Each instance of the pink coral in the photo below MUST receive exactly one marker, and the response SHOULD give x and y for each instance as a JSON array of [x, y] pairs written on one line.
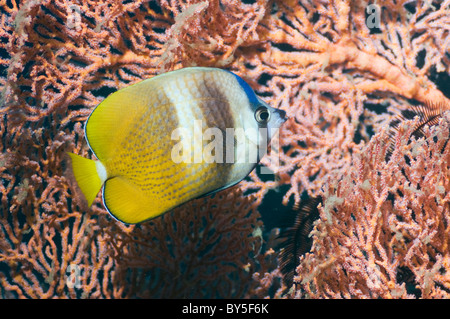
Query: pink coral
[[383, 230], [338, 79], [60, 60]]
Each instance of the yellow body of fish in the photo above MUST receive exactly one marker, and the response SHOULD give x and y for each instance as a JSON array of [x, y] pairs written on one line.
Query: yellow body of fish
[[165, 140]]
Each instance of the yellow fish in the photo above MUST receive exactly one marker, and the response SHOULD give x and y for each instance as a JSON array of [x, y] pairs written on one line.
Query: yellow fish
[[172, 138]]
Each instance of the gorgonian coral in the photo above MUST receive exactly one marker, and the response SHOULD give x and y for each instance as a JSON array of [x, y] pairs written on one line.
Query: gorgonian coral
[[339, 79], [60, 59], [383, 229]]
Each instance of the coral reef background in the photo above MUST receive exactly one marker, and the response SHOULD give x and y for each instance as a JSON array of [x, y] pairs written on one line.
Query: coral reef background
[[341, 69]]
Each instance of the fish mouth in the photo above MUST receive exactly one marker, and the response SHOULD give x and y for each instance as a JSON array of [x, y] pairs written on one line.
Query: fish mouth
[[282, 116], [279, 118]]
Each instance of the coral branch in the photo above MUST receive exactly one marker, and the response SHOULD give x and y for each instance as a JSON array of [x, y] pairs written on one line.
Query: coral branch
[[383, 226]]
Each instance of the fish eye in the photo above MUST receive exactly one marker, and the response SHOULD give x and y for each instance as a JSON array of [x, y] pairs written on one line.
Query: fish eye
[[262, 115]]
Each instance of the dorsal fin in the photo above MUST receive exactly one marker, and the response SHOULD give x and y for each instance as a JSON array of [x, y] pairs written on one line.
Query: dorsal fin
[[110, 121]]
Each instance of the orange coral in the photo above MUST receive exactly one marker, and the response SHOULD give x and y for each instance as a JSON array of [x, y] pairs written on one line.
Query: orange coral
[[53, 74], [339, 80], [324, 64]]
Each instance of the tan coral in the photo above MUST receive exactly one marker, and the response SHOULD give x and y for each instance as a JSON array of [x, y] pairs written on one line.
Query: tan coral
[[391, 217]]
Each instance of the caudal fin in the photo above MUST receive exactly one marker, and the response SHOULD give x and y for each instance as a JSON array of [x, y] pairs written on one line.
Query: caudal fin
[[89, 174]]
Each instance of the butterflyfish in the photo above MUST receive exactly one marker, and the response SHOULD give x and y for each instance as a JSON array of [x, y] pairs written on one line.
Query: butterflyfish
[[171, 138]]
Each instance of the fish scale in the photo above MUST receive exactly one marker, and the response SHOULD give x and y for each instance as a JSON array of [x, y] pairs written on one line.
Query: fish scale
[[132, 131]]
